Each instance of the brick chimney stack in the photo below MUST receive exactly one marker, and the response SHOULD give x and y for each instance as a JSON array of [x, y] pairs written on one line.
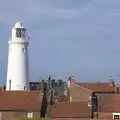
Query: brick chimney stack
[[111, 82]]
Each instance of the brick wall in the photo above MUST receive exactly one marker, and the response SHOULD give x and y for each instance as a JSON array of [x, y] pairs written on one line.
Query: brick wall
[[17, 115], [103, 116], [79, 93]]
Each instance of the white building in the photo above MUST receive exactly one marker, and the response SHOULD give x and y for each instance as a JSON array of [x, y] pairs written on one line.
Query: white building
[[17, 71]]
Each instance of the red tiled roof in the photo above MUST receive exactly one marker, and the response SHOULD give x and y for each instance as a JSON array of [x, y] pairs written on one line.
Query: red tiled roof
[[20, 100], [109, 103], [70, 110], [98, 87]]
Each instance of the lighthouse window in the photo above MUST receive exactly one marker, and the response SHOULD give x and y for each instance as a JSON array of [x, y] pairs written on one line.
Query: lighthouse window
[[20, 32], [23, 50]]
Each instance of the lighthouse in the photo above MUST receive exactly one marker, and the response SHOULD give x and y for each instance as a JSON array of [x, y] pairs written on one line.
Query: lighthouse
[[17, 69]]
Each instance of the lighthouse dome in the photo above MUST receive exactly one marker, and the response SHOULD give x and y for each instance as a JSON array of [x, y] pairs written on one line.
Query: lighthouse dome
[[19, 24]]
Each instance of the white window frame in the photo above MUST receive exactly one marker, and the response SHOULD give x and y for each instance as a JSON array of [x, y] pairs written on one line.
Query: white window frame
[[0, 115], [116, 114], [30, 115]]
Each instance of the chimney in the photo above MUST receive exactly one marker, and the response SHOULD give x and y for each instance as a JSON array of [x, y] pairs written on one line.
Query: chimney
[[70, 80], [70, 99], [26, 88], [3, 88], [117, 89], [49, 82], [111, 82]]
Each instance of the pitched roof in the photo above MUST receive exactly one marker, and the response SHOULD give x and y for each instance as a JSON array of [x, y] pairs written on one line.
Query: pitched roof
[[109, 103], [20, 100], [98, 87], [79, 93], [70, 110]]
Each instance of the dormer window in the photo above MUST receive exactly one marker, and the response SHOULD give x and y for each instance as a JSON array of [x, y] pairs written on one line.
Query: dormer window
[[20, 32]]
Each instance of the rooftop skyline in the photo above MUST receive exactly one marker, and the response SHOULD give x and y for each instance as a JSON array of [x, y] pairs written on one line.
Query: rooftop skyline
[[78, 37]]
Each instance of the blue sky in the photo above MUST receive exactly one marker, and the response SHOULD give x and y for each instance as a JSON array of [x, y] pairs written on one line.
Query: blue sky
[[68, 37]]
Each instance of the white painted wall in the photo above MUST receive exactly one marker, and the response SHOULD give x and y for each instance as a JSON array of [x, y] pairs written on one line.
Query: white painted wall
[[17, 71]]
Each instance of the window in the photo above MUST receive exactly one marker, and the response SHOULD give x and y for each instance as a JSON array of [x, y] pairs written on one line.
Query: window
[[89, 101], [116, 117], [20, 32], [23, 49], [0, 116], [30, 115]]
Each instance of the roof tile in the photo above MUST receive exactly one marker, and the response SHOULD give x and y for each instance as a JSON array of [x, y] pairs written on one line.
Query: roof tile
[[70, 110], [20, 100]]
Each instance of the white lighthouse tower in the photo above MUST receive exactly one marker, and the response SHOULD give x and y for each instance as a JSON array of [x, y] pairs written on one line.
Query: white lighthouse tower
[[17, 71]]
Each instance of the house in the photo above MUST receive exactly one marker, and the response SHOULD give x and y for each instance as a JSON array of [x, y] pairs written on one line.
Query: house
[[20, 104], [90, 92], [100, 88], [70, 111], [108, 107], [78, 93], [58, 87], [83, 91]]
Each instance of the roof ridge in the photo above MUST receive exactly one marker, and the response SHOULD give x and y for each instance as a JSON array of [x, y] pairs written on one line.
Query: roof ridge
[[82, 87]]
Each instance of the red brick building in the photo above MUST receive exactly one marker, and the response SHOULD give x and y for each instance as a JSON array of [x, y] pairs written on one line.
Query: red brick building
[[83, 101], [82, 91], [63, 111], [108, 104], [20, 104]]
